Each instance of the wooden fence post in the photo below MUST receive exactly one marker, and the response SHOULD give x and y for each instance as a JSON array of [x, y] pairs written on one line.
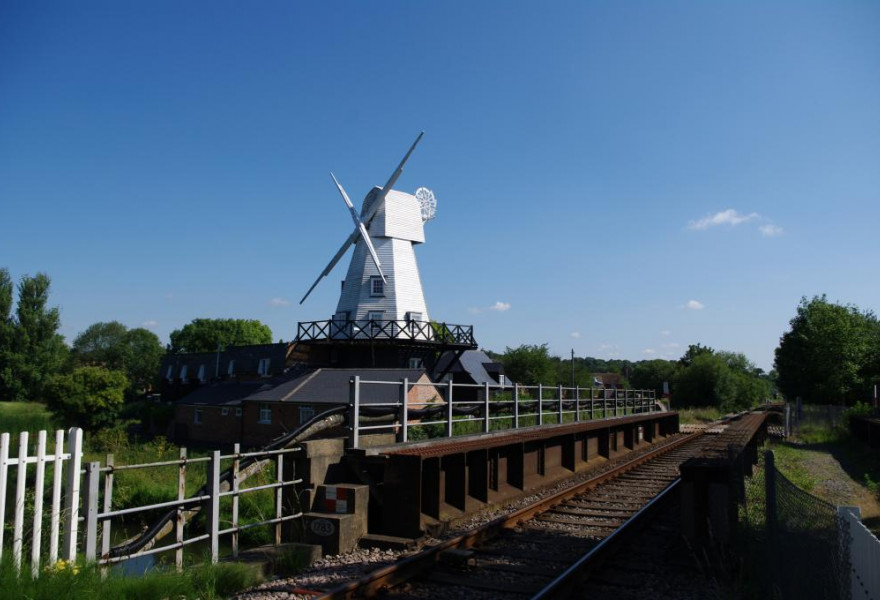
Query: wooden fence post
[[214, 505], [279, 505], [108, 506], [21, 478], [178, 521], [93, 477], [57, 477], [236, 466], [71, 493], [4, 459], [39, 482]]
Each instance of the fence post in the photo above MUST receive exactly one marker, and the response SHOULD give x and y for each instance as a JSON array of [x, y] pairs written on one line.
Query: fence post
[[55, 522], [403, 416], [592, 404], [770, 493], [516, 405], [355, 410], [71, 493], [279, 504], [108, 504], [214, 505], [577, 403], [236, 465], [540, 404], [93, 478], [559, 395], [486, 421], [39, 484], [21, 478], [4, 459], [449, 408], [178, 521]]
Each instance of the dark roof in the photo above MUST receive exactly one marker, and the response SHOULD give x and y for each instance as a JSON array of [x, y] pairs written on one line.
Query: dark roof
[[475, 363], [332, 386], [247, 359], [228, 393]]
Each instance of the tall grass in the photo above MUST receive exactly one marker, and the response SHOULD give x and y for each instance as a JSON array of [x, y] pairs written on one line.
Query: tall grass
[[75, 582]]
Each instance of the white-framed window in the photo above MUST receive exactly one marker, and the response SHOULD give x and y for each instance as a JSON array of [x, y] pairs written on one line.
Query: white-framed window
[[306, 413], [376, 316], [263, 367], [414, 316], [502, 380], [230, 370], [265, 413], [415, 363], [224, 411], [169, 375], [377, 286], [202, 373], [197, 416], [183, 371], [237, 412]]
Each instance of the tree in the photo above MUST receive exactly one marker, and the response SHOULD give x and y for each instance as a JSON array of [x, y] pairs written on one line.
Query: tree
[[828, 352], [136, 352], [650, 374], [693, 351], [529, 364], [31, 350], [89, 397], [205, 335]]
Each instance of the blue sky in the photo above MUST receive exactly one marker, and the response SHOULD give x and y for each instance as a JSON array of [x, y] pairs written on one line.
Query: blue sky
[[623, 179]]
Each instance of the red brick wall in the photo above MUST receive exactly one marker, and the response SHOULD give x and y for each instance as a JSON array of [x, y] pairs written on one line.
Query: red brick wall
[[215, 427]]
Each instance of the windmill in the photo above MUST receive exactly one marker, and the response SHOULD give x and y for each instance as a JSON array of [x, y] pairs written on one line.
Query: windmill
[[383, 282]]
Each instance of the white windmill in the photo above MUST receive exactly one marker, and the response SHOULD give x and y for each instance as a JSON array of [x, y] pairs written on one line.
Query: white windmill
[[383, 282]]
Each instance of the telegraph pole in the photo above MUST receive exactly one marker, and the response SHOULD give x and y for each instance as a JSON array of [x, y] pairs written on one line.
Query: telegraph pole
[[572, 367]]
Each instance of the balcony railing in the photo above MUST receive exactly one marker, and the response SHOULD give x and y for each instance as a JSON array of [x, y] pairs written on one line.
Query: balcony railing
[[371, 329]]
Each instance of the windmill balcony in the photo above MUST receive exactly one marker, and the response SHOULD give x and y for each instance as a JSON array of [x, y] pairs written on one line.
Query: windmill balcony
[[369, 330]]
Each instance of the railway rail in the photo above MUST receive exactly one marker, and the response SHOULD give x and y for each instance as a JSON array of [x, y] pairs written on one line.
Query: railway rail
[[542, 549]]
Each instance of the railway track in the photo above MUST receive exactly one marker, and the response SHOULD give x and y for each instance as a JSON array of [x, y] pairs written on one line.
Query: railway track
[[540, 550]]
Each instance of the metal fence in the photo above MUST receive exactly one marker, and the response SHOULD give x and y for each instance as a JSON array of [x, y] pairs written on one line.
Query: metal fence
[[793, 543], [87, 512], [446, 407]]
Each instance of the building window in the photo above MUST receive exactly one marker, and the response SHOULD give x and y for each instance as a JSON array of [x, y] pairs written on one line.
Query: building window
[[231, 369], [202, 373], [224, 411], [414, 316], [377, 286], [197, 416], [263, 367], [415, 363], [306, 414], [375, 317], [502, 381], [170, 374], [265, 414], [183, 371], [237, 412]]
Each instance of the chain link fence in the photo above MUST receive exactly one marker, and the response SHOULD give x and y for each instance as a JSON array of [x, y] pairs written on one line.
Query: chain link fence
[[793, 543]]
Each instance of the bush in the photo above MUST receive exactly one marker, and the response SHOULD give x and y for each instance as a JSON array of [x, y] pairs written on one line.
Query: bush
[[89, 397]]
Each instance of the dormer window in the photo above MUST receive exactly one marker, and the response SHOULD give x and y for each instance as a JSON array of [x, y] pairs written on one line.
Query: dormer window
[[263, 367], [202, 373], [170, 374], [377, 286], [231, 370], [183, 371]]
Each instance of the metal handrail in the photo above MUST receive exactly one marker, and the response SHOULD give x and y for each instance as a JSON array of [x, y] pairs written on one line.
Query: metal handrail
[[381, 329]]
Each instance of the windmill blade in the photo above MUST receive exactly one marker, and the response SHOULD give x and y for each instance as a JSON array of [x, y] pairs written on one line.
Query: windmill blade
[[360, 227], [391, 181], [351, 239]]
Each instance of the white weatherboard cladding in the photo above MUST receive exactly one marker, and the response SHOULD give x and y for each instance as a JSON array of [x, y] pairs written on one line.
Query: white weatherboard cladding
[[403, 292], [400, 217]]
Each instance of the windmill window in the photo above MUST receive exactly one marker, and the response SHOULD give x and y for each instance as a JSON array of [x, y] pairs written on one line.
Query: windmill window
[[265, 414], [183, 371], [377, 286], [414, 316], [231, 370]]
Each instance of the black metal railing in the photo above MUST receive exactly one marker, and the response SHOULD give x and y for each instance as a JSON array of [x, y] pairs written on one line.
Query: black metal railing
[[372, 329]]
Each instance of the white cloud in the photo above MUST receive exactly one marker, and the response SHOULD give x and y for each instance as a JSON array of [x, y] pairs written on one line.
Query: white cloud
[[694, 305], [665, 332], [770, 230], [149, 324], [725, 217], [649, 351], [576, 334], [500, 306], [279, 302]]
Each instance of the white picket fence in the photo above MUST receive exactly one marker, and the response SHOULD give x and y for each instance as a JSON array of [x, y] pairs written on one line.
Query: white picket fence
[[864, 556], [69, 511], [68, 508]]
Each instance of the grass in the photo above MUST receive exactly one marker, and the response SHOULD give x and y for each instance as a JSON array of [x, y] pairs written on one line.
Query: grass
[[84, 582], [698, 415]]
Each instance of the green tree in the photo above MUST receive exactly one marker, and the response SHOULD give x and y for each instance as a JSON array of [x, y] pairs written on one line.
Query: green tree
[[204, 335], [828, 352], [650, 374], [89, 397], [32, 350], [137, 352], [693, 351], [529, 364]]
